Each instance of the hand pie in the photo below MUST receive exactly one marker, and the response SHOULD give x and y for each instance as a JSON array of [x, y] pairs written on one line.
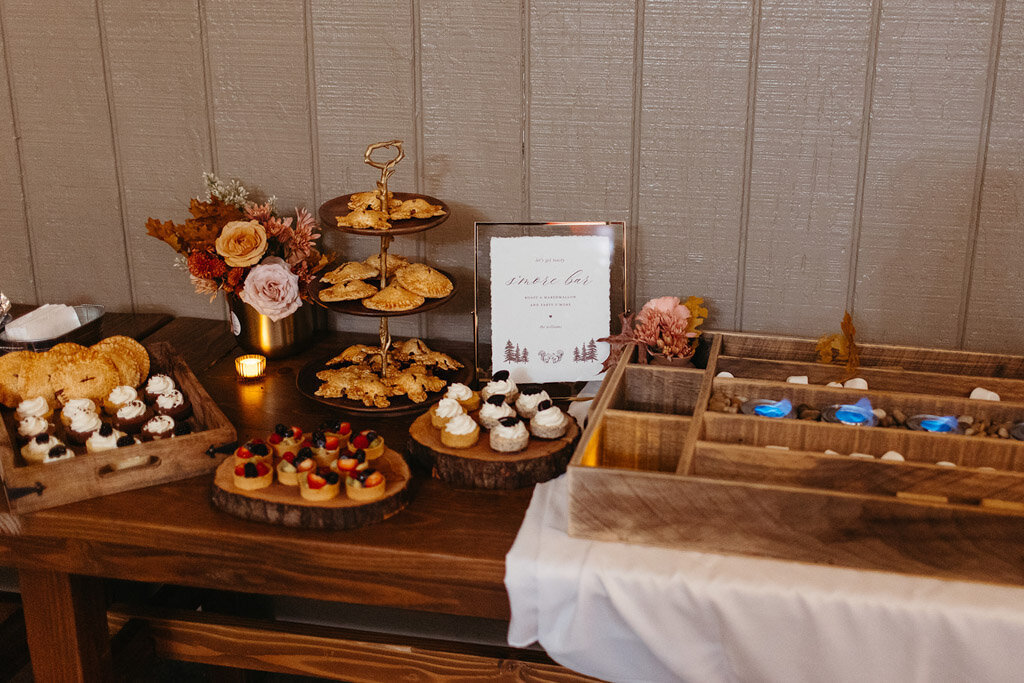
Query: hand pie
[[421, 279], [371, 200], [353, 270], [394, 262], [348, 291], [356, 353], [416, 208], [394, 297], [364, 218]]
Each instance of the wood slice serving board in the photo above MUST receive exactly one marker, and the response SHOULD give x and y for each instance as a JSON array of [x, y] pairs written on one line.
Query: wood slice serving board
[[482, 468], [280, 504]]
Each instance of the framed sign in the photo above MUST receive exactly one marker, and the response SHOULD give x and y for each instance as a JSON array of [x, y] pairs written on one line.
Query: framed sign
[[544, 294]]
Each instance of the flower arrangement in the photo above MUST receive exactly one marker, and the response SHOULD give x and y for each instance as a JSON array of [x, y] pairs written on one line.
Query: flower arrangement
[[664, 328], [245, 248]]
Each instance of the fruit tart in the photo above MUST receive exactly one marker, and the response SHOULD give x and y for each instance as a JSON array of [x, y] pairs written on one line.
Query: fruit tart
[[285, 439], [254, 450], [320, 487], [348, 464], [325, 448], [369, 441], [253, 475], [365, 485], [294, 465], [335, 427]]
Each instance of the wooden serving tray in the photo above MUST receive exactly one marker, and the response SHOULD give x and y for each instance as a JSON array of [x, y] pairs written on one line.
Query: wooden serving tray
[[745, 484], [482, 468], [281, 504], [89, 475]]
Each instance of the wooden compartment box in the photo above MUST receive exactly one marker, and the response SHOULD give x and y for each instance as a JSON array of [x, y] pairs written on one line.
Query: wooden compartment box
[[656, 465], [31, 487]]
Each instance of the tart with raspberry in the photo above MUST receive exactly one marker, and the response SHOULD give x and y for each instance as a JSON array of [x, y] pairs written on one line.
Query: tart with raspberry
[[255, 450], [325, 448], [365, 485], [320, 487], [294, 465], [285, 439], [335, 427], [369, 441], [253, 475]]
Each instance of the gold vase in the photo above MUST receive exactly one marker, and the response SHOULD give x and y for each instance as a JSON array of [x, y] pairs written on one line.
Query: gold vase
[[257, 333]]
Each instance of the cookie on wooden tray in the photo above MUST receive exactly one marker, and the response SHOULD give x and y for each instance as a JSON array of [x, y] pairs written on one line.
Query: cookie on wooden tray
[[119, 343], [416, 208], [394, 297], [419, 278], [352, 270], [89, 375], [348, 291], [364, 218]]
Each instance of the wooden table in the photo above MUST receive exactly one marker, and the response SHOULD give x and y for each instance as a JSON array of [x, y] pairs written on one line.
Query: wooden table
[[443, 554]]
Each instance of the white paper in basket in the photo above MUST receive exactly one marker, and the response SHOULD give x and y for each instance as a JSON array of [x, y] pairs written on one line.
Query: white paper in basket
[[46, 322], [626, 612]]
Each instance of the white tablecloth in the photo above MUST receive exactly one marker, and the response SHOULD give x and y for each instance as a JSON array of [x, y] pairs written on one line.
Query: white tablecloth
[[627, 612]]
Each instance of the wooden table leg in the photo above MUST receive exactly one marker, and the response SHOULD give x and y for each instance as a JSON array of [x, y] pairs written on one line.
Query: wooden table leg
[[66, 623]]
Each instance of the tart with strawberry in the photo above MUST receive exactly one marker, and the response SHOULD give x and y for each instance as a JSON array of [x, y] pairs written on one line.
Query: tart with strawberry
[[284, 439], [255, 450], [335, 427], [325, 448], [294, 465], [253, 475], [365, 485], [369, 441], [350, 463], [320, 487]]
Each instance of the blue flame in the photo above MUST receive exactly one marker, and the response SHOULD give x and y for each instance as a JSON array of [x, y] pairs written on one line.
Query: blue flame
[[856, 414], [947, 423], [779, 409]]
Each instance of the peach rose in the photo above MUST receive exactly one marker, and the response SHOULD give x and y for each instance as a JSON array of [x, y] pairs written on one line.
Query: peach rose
[[242, 243]]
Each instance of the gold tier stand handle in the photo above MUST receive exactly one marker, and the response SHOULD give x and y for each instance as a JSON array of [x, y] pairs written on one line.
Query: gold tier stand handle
[[387, 169]]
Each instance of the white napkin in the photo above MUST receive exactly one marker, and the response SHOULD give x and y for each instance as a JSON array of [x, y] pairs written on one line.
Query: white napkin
[[46, 322]]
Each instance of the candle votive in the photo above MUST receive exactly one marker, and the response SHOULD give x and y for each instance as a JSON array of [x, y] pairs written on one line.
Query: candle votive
[[250, 366]]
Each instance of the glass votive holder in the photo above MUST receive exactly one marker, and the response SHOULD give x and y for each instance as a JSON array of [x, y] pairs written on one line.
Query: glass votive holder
[[250, 366]]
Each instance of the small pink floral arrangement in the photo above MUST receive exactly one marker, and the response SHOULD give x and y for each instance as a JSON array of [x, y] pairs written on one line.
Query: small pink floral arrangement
[[245, 248], [663, 327]]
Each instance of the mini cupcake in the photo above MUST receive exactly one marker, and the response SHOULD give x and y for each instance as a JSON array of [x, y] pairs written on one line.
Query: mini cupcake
[[253, 475], [352, 462], [325, 448], [549, 422], [75, 406], [446, 409], [117, 397], [365, 485], [103, 439], [254, 450], [158, 427], [493, 409], [460, 432], [335, 427], [369, 441], [467, 398], [509, 435], [293, 465], [173, 404], [529, 397], [501, 383], [58, 453], [33, 407], [127, 440], [35, 451], [82, 426], [156, 385], [320, 487], [285, 439], [131, 416], [32, 426]]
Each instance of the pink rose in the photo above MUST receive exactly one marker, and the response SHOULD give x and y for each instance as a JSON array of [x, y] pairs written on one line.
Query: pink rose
[[669, 306], [272, 289]]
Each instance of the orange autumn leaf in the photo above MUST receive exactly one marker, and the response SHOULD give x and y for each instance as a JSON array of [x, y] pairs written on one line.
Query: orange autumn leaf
[[166, 231], [840, 347], [698, 313], [208, 218]]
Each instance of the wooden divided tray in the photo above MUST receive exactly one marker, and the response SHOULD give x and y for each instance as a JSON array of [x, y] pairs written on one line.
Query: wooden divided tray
[[281, 504], [660, 463], [89, 475]]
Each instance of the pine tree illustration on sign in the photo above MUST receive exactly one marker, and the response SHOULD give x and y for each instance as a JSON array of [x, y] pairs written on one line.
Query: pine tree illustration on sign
[[514, 354]]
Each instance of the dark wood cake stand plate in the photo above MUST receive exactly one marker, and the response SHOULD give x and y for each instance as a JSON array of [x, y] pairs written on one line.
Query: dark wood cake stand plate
[[482, 468], [333, 208], [280, 504], [356, 307]]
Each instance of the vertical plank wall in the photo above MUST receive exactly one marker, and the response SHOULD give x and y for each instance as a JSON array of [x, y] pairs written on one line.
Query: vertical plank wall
[[786, 160]]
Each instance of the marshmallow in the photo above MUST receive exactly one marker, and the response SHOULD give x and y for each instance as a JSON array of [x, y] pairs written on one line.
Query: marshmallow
[[983, 394], [726, 374], [862, 456], [829, 451], [945, 463], [797, 379], [855, 383], [779, 448], [893, 456]]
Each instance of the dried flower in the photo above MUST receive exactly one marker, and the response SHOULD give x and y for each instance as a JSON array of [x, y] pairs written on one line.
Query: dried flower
[[206, 265], [259, 212], [230, 193], [664, 327], [303, 237], [204, 286], [272, 289], [242, 243]]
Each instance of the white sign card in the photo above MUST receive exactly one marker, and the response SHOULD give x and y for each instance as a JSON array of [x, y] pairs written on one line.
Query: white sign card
[[550, 303]]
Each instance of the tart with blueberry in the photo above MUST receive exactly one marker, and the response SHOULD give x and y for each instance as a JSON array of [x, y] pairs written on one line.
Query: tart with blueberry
[[369, 441], [346, 465], [253, 475], [335, 427], [255, 450], [285, 439], [320, 487], [294, 465], [365, 485], [325, 448]]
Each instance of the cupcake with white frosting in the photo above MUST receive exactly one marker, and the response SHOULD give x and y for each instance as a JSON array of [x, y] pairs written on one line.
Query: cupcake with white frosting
[[174, 404], [76, 406], [529, 398], [37, 450], [83, 425], [103, 439], [446, 409], [549, 422], [493, 409], [158, 427], [501, 383], [509, 435], [117, 397], [32, 426], [460, 432], [131, 416], [156, 385], [467, 398], [33, 407]]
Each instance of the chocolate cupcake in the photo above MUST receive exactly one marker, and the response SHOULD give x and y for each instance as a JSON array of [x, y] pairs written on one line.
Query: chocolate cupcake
[[82, 426], [173, 403], [156, 385], [158, 427], [131, 416], [117, 397]]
